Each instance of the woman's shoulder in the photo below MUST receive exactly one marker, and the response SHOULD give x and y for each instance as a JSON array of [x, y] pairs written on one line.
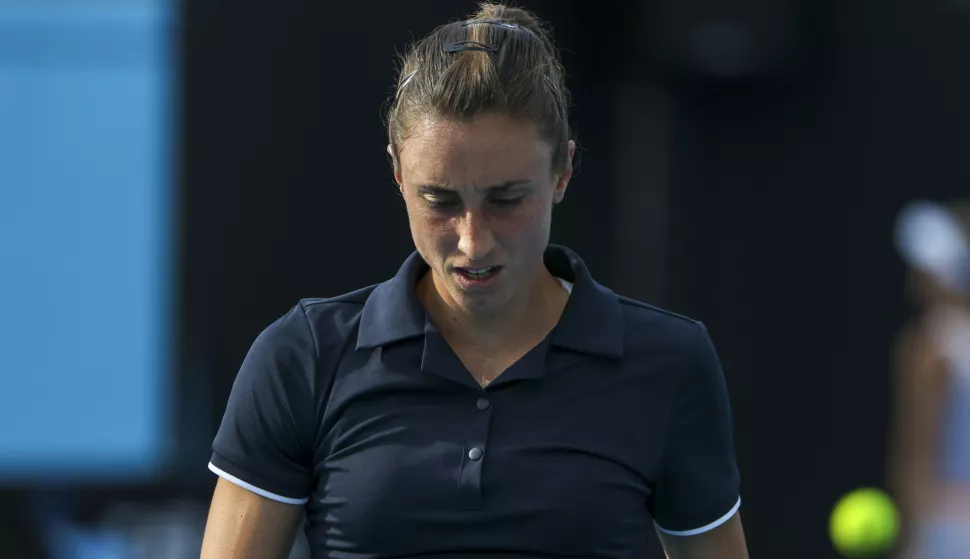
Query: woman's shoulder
[[316, 322], [657, 339], [346, 305], [643, 322]]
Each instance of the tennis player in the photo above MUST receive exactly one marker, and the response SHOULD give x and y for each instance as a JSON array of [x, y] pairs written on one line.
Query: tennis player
[[930, 450], [491, 399]]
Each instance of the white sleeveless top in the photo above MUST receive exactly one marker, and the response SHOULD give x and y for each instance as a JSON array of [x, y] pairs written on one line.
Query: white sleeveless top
[[951, 332]]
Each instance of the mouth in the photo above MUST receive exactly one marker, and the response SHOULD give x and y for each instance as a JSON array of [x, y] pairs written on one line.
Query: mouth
[[477, 277]]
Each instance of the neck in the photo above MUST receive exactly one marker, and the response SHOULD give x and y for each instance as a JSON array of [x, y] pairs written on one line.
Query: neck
[[532, 311]]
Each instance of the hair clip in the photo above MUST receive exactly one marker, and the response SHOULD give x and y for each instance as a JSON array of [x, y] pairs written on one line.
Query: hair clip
[[404, 82], [549, 83], [504, 24], [460, 46], [408, 77]]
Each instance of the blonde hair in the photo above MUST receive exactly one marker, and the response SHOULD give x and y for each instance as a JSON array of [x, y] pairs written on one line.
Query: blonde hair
[[500, 60]]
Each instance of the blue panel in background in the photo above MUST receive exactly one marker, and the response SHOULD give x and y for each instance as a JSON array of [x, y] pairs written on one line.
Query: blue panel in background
[[86, 230]]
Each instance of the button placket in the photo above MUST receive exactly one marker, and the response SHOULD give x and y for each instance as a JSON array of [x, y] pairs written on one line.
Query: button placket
[[476, 451]]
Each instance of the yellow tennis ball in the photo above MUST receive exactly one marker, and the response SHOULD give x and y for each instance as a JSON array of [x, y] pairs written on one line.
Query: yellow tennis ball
[[864, 523]]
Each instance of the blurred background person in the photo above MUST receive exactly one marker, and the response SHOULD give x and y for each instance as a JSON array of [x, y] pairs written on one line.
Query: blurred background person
[[930, 460]]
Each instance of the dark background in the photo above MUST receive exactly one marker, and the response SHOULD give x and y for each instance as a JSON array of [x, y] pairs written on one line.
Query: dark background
[[773, 188], [742, 163]]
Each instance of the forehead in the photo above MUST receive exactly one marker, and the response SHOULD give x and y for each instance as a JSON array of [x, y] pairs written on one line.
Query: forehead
[[490, 149]]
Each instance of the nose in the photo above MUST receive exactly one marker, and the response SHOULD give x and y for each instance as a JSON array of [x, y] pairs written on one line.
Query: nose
[[475, 238]]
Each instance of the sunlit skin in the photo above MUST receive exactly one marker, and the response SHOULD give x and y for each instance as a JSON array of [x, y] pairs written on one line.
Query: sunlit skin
[[479, 194]]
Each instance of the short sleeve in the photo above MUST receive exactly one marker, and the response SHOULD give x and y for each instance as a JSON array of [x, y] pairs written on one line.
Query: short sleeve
[[265, 441], [698, 486]]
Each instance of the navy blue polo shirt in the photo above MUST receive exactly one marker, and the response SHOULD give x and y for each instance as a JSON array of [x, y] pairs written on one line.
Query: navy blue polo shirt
[[356, 408]]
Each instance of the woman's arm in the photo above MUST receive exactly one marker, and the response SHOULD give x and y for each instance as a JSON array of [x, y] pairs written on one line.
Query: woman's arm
[[919, 388], [244, 525], [724, 542]]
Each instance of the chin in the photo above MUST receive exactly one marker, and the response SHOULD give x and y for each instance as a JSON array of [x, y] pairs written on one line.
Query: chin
[[482, 302]]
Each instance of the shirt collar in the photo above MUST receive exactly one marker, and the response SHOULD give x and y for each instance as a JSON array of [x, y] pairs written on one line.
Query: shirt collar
[[392, 312], [592, 321]]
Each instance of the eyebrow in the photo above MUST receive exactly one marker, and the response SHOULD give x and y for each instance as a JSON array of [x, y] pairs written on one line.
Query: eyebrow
[[498, 188]]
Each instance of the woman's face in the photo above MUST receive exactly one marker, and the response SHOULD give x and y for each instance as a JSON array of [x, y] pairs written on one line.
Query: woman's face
[[479, 197]]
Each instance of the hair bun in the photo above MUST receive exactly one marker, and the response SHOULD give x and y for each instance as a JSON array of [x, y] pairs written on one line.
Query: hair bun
[[508, 14]]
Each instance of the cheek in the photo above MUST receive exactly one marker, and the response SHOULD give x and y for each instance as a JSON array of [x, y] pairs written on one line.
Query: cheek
[[429, 228], [540, 212], [528, 225]]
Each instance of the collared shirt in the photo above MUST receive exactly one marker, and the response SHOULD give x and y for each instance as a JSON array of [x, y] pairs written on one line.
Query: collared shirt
[[356, 408]]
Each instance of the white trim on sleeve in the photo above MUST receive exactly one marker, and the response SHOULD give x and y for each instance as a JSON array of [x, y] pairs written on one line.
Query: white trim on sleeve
[[706, 528], [261, 492]]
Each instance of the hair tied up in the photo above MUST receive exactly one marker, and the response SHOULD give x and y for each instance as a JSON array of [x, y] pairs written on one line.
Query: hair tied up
[[520, 76]]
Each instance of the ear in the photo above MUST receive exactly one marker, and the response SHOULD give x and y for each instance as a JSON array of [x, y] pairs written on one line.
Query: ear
[[562, 181], [396, 167]]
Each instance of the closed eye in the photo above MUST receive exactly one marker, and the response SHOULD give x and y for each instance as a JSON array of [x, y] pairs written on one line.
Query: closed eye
[[508, 202], [448, 204], [441, 205]]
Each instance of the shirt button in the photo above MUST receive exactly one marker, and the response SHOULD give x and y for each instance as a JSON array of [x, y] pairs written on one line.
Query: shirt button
[[475, 453], [482, 404]]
